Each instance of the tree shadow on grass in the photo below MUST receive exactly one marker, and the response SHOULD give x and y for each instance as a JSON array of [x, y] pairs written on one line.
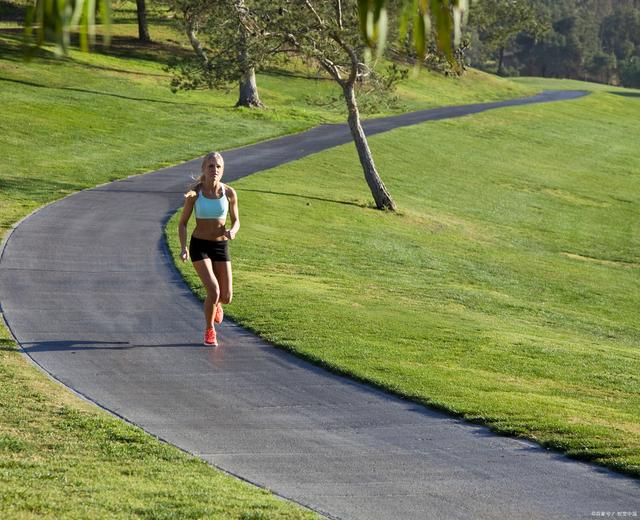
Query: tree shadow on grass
[[275, 71], [109, 94], [309, 197], [128, 47], [121, 71], [38, 188], [132, 48], [12, 49], [626, 94]]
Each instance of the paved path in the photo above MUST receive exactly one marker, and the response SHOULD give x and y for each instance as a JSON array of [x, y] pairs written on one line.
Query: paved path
[[84, 280]]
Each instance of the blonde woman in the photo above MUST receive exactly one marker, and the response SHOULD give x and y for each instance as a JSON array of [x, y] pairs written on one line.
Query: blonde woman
[[208, 247]]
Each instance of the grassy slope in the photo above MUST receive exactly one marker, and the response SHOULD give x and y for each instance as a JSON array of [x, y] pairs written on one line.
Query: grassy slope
[[507, 288], [71, 124]]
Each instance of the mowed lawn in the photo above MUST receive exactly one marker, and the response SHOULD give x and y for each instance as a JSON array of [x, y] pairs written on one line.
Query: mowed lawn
[[506, 289], [92, 118]]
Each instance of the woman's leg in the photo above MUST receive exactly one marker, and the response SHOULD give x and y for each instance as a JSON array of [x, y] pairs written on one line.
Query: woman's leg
[[206, 274], [222, 271]]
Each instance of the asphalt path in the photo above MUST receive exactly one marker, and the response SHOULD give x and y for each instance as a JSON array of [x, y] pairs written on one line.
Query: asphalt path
[[89, 291]]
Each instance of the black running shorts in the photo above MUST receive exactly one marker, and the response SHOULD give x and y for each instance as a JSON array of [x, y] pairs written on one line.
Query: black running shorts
[[215, 250]]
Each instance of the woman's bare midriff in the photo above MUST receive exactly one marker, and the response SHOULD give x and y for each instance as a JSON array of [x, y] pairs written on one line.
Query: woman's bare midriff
[[209, 229]]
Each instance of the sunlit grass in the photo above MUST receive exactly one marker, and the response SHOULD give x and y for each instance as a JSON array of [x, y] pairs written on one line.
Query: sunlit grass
[[72, 123], [506, 290]]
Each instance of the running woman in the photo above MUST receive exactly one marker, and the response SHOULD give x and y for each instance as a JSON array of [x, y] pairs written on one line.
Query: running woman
[[208, 248]]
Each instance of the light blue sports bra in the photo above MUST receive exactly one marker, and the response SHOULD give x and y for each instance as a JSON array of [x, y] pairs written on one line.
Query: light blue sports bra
[[212, 208]]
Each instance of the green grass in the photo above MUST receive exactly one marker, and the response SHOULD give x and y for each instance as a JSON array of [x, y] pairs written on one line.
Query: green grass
[[91, 118], [506, 290]]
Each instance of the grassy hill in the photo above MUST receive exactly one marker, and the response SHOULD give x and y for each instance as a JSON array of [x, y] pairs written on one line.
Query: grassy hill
[[505, 290], [68, 124]]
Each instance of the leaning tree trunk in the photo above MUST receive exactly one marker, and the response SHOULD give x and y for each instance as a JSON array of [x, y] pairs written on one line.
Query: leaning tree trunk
[[380, 194], [190, 28], [143, 30]]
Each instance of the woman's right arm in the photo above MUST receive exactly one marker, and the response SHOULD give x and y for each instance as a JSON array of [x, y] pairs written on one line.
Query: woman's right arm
[[187, 209]]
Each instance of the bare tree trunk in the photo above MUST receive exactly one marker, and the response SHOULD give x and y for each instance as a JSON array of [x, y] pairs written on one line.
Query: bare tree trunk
[[249, 90], [143, 30], [500, 71], [380, 194], [195, 43]]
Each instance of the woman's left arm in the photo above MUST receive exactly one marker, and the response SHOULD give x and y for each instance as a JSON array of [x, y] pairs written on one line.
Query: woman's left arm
[[233, 213]]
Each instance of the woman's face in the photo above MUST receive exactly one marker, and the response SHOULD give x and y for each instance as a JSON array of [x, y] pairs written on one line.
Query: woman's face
[[214, 168]]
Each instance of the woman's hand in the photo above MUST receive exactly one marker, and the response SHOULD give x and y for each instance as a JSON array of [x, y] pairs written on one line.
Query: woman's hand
[[184, 256], [230, 234]]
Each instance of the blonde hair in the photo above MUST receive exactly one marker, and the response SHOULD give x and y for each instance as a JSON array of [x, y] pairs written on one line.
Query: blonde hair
[[199, 181]]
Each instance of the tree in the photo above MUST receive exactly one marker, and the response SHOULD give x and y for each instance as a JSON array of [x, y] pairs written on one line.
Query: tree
[[630, 72], [248, 95], [328, 33], [143, 29], [620, 33], [231, 49], [499, 21], [601, 67]]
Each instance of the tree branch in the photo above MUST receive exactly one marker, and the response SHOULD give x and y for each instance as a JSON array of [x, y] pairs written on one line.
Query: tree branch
[[320, 20], [352, 55], [191, 28], [332, 69]]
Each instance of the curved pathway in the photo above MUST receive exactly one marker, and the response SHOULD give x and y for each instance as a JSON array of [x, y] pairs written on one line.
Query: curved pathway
[[90, 293]]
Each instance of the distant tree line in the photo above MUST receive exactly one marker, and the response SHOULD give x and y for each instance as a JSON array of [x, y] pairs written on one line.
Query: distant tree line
[[593, 40]]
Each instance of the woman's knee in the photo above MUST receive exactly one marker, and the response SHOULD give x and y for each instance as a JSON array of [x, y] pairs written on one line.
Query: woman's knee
[[226, 297], [213, 291]]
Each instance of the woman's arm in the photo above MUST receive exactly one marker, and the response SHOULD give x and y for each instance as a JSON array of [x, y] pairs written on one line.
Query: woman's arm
[[233, 212], [187, 209]]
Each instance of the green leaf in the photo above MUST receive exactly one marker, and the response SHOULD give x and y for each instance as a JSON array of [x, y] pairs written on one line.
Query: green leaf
[[442, 16], [409, 9], [84, 19], [363, 16], [420, 30], [381, 32], [91, 21], [105, 18], [54, 20]]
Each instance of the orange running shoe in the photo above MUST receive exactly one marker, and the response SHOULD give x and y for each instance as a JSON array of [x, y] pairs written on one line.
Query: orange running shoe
[[219, 314], [210, 337]]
